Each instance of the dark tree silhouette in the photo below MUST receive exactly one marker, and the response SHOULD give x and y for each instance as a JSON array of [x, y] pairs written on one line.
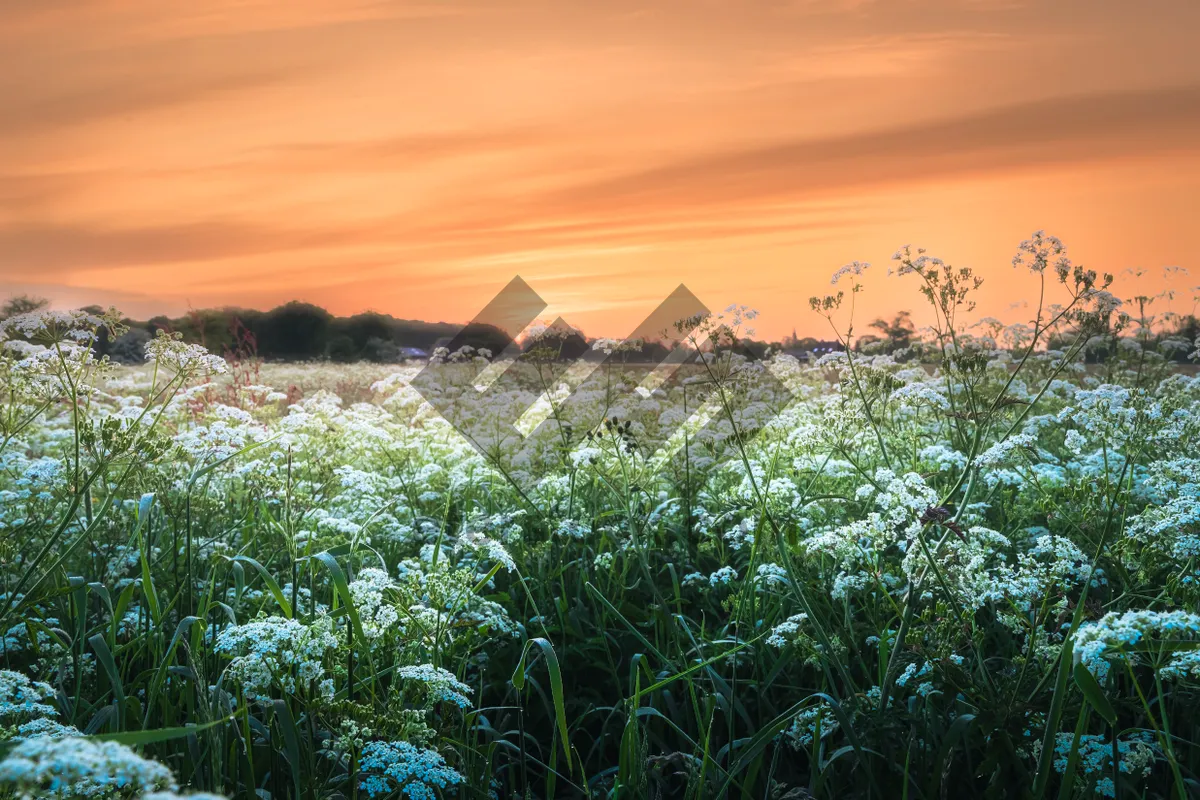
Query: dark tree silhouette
[[898, 333], [296, 330], [22, 304]]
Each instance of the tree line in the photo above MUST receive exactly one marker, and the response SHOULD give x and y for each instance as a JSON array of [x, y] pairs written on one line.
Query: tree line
[[299, 331]]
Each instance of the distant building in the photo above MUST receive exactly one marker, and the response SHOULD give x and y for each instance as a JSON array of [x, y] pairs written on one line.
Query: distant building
[[809, 349]]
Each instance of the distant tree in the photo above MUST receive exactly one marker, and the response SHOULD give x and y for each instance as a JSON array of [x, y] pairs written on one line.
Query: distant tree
[[897, 334], [341, 349], [130, 347], [159, 323], [296, 330], [574, 346], [478, 335], [22, 304], [652, 352], [381, 351], [361, 328]]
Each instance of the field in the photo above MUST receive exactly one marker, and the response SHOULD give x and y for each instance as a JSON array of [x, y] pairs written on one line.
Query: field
[[967, 567]]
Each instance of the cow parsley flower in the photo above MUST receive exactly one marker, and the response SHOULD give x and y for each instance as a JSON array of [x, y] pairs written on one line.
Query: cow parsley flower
[[785, 633], [1135, 751], [921, 394], [171, 351], [945, 458], [44, 726], [51, 327], [573, 529], [741, 535], [1003, 452], [440, 684], [1185, 665], [22, 699], [77, 767], [388, 766], [810, 724], [855, 268], [913, 672], [771, 576], [723, 576], [1037, 252], [267, 651], [483, 545], [1075, 441], [904, 498], [367, 591], [1117, 631]]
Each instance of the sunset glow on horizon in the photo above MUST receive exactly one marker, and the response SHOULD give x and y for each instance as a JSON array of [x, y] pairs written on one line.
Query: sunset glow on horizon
[[412, 157]]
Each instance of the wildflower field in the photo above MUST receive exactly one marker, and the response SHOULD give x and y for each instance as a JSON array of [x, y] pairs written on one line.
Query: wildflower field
[[964, 568]]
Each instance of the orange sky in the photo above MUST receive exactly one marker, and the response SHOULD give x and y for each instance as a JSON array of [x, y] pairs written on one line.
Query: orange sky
[[411, 157]]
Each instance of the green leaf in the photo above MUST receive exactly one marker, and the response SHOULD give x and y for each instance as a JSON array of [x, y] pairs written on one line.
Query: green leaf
[[556, 689], [122, 605], [1090, 687], [958, 730], [759, 742], [343, 588], [291, 740], [148, 590], [134, 738], [161, 674], [104, 656], [144, 506], [665, 681], [272, 584], [637, 634]]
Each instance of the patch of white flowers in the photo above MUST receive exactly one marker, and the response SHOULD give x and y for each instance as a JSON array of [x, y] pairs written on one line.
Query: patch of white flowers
[[279, 653], [785, 633], [369, 591], [169, 350], [75, 767], [440, 685], [22, 699], [416, 773], [1116, 634]]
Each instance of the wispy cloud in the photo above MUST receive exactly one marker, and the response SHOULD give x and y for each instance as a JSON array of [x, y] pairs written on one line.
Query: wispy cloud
[[1059, 131]]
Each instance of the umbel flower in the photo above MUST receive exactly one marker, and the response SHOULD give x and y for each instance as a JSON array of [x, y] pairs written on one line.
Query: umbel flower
[[441, 685], [1117, 633], [266, 651], [388, 766], [77, 767], [22, 699], [171, 351]]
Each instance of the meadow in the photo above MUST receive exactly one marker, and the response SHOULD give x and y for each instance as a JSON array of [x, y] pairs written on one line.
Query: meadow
[[963, 568]]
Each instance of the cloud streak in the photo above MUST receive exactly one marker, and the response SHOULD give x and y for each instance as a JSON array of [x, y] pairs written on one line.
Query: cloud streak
[[1059, 131]]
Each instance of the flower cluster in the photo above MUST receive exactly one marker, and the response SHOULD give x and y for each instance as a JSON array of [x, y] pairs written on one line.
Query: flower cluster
[[74, 767], [440, 686], [1116, 634], [22, 699], [416, 773], [279, 653]]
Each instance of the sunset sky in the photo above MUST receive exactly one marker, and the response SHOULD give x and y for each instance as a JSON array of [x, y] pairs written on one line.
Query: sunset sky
[[411, 157]]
